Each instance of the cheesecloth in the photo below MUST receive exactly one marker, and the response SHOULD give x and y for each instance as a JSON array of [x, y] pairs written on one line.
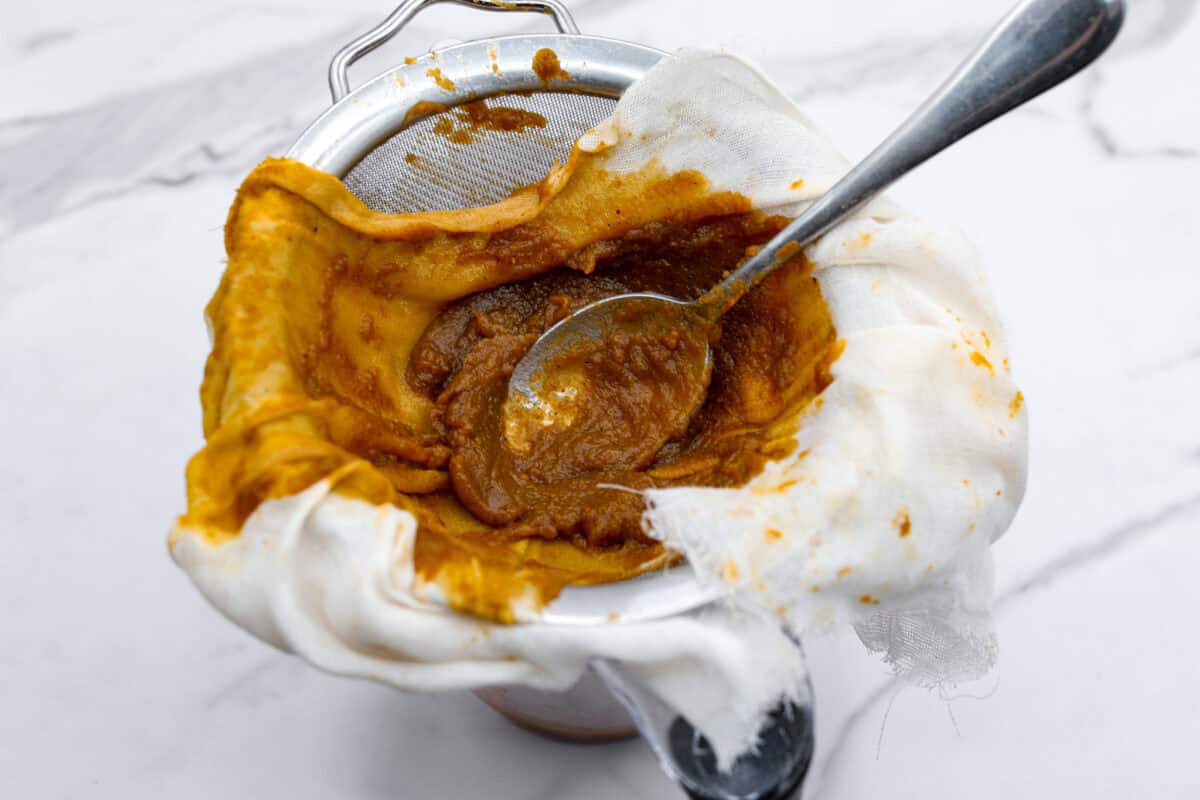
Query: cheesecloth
[[907, 467]]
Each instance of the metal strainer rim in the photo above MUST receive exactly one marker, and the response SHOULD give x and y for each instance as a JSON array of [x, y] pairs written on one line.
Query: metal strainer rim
[[380, 108]]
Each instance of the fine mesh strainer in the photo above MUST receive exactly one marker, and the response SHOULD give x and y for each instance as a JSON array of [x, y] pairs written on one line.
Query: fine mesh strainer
[[418, 170], [380, 140]]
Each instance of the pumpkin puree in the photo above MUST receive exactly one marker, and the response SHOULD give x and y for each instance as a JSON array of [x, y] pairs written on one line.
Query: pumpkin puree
[[372, 350]]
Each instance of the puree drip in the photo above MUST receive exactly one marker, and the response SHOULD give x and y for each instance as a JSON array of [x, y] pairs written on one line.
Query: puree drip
[[766, 362]]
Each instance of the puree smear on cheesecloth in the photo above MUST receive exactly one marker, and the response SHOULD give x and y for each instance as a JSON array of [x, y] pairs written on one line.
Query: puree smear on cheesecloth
[[861, 446]]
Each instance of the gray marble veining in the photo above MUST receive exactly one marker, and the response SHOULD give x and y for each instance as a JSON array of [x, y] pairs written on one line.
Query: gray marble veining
[[116, 169]]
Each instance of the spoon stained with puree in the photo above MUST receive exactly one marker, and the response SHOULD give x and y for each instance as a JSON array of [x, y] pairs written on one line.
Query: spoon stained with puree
[[658, 347], [556, 391]]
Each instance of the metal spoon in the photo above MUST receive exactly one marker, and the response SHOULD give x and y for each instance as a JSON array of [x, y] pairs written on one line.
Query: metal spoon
[[1038, 45]]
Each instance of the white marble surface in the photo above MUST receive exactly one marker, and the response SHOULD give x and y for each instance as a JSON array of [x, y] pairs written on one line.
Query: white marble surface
[[125, 128]]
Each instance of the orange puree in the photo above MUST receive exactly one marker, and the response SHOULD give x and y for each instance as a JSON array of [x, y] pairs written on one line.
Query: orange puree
[[476, 117], [371, 350], [547, 66]]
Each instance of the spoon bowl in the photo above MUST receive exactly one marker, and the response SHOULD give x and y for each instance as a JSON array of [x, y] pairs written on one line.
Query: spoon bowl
[[554, 384]]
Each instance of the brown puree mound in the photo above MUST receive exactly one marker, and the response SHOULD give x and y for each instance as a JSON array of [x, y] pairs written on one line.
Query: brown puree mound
[[368, 350], [564, 488]]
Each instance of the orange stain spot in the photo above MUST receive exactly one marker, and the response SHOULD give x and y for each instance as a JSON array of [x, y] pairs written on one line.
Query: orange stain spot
[[1014, 407], [787, 252], [547, 66], [774, 534], [902, 522], [730, 571], [796, 184], [844, 571], [867, 600], [440, 79], [778, 488], [978, 359]]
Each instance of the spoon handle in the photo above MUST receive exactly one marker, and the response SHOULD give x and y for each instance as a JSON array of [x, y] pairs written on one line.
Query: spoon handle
[[1038, 45]]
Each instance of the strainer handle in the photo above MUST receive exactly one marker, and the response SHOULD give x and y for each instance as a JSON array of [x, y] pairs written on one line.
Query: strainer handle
[[339, 67]]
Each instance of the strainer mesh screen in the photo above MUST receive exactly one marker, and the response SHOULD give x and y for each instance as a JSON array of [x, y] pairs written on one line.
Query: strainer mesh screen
[[420, 170]]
